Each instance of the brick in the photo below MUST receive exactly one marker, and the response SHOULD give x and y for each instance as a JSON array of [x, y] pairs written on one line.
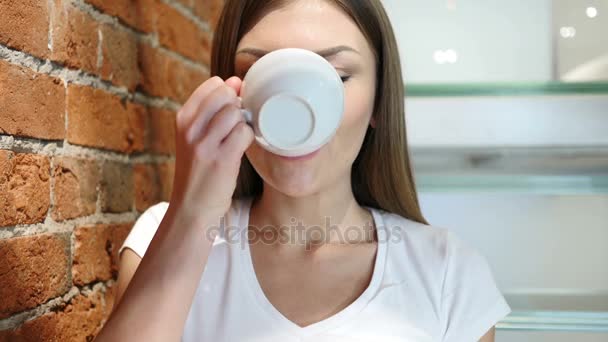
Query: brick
[[109, 297], [24, 26], [99, 119], [160, 136], [75, 37], [147, 186], [116, 193], [183, 80], [24, 188], [139, 14], [180, 34], [154, 66], [34, 269], [206, 46], [31, 104], [96, 252], [80, 319], [165, 76], [166, 172], [75, 187], [209, 10], [153, 183], [119, 51]]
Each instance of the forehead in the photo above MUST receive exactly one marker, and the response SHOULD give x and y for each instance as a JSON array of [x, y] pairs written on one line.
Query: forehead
[[306, 24]]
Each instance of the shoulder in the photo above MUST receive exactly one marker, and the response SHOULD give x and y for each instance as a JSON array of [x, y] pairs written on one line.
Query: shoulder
[[417, 240], [148, 221], [431, 241], [441, 250], [452, 271], [157, 211]]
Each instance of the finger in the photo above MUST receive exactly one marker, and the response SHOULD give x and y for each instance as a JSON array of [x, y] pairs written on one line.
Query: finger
[[235, 83], [212, 104], [237, 141], [222, 124], [188, 111]]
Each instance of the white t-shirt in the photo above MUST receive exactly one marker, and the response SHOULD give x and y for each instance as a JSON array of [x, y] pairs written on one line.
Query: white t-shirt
[[427, 285]]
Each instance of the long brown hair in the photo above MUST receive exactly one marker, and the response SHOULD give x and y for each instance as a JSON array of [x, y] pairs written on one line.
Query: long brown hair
[[381, 174]]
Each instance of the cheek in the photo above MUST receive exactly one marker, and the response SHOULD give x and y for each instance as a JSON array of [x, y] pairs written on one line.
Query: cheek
[[358, 107], [358, 104]]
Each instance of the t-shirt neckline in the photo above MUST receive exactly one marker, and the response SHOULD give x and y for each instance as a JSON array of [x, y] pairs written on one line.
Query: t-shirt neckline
[[335, 320]]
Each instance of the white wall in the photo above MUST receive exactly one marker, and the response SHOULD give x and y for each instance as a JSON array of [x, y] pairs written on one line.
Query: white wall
[[531, 241], [589, 47], [496, 40]]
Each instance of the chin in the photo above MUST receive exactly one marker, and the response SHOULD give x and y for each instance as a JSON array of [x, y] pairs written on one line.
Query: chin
[[292, 178]]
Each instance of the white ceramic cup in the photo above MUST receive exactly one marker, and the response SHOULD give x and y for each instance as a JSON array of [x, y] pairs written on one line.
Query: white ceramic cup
[[294, 101]]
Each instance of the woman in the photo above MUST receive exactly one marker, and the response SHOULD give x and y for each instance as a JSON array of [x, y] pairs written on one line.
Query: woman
[[222, 260]]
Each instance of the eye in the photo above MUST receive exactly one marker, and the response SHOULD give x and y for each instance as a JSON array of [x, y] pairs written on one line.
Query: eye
[[344, 78]]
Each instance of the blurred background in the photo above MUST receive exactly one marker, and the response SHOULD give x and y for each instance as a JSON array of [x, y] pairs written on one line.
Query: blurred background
[[507, 119]]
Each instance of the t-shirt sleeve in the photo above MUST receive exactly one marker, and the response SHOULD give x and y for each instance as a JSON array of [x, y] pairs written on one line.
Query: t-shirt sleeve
[[144, 229], [471, 302]]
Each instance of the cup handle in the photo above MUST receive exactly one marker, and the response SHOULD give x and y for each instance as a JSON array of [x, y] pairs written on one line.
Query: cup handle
[[247, 115]]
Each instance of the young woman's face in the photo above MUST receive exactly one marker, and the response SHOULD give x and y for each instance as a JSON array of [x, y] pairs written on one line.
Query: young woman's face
[[316, 25]]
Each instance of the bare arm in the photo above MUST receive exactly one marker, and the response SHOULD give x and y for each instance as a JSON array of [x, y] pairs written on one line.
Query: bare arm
[[162, 285], [127, 265], [489, 336], [156, 292]]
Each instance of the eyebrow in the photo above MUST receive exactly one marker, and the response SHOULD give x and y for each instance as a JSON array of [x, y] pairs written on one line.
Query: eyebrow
[[325, 53]]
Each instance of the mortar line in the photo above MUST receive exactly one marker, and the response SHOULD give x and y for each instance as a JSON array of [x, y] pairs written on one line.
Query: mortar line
[[149, 38], [99, 48], [98, 188], [54, 148], [186, 12], [79, 77], [50, 226], [70, 237], [65, 299], [104, 18], [51, 10], [51, 190]]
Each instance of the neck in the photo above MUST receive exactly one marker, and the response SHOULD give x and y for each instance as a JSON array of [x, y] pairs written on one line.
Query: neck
[[331, 216]]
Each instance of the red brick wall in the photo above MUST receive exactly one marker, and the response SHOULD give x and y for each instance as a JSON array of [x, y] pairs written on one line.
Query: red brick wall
[[88, 95]]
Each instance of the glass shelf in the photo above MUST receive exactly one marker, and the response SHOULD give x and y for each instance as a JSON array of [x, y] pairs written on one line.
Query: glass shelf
[[555, 321], [504, 89], [532, 184], [576, 312], [548, 171]]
